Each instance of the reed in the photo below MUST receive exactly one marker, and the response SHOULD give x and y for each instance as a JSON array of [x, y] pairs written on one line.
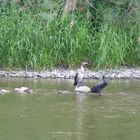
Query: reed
[[40, 38]]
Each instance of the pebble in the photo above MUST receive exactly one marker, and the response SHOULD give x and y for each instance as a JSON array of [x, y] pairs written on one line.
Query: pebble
[[120, 73]]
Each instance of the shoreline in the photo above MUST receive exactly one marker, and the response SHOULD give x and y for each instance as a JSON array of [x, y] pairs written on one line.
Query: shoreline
[[119, 73]]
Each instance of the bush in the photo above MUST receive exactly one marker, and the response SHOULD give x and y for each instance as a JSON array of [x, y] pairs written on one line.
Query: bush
[[44, 36]]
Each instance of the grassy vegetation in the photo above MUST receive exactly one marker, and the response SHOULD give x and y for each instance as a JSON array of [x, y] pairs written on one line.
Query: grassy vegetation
[[43, 37]]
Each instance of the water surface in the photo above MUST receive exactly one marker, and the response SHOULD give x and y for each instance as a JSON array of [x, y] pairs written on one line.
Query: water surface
[[47, 116]]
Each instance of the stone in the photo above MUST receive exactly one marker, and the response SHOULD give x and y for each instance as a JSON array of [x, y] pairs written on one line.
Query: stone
[[62, 92], [4, 91], [23, 90]]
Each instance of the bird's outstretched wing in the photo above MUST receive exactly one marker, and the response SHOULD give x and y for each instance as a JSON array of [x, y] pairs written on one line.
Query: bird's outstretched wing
[[76, 79]]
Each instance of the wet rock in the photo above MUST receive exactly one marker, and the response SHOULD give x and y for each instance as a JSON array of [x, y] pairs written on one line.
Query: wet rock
[[82, 89], [23, 90], [62, 92], [4, 91]]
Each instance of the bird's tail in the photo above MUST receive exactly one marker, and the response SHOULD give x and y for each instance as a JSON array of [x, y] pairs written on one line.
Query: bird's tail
[[75, 84]]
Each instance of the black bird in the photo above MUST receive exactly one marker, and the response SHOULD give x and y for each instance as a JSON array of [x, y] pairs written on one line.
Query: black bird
[[97, 88], [80, 74]]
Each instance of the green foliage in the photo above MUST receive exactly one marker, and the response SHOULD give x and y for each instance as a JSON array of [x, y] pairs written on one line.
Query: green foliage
[[41, 37]]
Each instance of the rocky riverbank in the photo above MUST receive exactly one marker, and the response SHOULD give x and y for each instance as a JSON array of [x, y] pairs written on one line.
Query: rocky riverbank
[[120, 73]]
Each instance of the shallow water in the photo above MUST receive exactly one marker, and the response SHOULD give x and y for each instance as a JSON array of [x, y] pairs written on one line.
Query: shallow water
[[47, 116]]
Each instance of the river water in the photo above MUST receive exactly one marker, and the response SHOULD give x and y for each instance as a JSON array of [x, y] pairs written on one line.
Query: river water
[[48, 116]]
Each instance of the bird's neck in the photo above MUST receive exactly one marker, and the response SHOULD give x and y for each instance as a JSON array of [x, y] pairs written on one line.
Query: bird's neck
[[82, 68], [104, 81]]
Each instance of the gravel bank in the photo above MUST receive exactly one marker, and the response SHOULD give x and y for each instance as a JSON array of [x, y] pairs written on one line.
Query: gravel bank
[[120, 73]]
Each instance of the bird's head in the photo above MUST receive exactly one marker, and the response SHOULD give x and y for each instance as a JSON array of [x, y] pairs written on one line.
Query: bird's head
[[103, 77], [84, 63]]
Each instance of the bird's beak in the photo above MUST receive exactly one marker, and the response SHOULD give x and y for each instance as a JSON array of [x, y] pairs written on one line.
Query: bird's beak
[[85, 63]]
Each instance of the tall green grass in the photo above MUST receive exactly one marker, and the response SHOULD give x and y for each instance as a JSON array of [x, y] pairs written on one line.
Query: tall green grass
[[40, 39]]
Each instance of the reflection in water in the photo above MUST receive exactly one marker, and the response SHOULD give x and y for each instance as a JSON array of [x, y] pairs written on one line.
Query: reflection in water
[[80, 109]]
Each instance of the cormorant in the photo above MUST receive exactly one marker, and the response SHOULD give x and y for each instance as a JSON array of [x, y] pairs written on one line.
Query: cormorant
[[80, 74], [97, 88]]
